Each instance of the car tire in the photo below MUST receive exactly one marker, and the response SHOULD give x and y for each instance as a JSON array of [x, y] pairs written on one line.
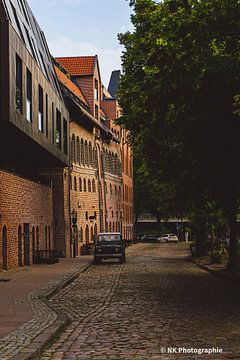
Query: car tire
[[122, 259], [97, 261]]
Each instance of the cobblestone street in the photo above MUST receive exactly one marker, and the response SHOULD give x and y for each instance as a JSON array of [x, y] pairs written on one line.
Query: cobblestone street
[[158, 299]]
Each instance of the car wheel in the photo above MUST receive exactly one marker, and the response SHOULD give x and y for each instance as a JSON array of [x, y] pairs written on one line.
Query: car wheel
[[97, 261], [122, 259]]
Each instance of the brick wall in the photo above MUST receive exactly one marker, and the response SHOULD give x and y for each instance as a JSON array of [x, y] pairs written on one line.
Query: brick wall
[[61, 211], [23, 202]]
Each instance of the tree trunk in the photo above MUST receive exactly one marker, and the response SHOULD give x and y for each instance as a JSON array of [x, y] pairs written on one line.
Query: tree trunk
[[232, 216]]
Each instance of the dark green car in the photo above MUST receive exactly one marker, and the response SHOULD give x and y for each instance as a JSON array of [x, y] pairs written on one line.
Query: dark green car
[[109, 246]]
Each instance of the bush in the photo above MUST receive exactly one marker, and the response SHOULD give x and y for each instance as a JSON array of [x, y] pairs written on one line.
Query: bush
[[217, 257]]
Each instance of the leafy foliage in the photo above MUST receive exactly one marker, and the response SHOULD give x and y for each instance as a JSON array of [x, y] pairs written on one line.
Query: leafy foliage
[[179, 94]]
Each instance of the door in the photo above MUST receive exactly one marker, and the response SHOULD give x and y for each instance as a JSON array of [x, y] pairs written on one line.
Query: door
[[26, 244], [20, 248]]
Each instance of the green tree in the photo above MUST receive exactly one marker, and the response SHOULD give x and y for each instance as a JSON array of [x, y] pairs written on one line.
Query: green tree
[[181, 75]]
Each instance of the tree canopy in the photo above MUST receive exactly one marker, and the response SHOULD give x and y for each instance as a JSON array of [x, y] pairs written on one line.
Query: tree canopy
[[179, 95]]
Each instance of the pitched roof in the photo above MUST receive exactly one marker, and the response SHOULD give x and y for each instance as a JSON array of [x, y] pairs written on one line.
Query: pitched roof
[[70, 85], [79, 65]]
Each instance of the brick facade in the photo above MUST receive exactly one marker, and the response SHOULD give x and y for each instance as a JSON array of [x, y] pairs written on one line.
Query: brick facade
[[26, 214]]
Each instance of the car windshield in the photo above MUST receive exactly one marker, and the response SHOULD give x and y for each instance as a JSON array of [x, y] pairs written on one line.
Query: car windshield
[[109, 237]]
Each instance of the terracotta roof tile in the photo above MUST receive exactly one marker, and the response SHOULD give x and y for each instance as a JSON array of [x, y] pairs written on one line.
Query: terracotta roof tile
[[79, 65], [70, 85]]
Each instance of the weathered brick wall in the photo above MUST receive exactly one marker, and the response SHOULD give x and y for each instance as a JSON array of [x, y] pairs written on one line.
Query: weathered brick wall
[[23, 202], [61, 211], [83, 201]]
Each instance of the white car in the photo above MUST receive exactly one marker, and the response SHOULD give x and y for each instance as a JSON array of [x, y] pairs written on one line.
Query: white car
[[168, 238]]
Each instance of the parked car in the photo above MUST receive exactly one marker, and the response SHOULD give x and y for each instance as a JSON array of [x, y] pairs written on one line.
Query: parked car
[[149, 238], [109, 245], [168, 238]]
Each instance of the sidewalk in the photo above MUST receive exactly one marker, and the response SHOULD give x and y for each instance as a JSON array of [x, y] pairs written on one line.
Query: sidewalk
[[19, 288], [217, 269]]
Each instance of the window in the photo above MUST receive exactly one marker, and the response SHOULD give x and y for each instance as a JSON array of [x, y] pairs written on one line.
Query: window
[[65, 136], [86, 215], [84, 185], [29, 97], [75, 183], [53, 121], [46, 115], [17, 22], [40, 108], [58, 135], [73, 149], [89, 186], [78, 150], [18, 84], [93, 186], [96, 90], [80, 184], [96, 111]]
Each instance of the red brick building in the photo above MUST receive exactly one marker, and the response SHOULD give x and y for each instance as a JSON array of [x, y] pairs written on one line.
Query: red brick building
[[98, 154]]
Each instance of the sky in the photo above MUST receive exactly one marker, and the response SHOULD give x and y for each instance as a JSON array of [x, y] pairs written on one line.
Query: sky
[[85, 27]]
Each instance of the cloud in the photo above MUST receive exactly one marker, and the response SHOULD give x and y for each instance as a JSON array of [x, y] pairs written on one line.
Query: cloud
[[109, 59]]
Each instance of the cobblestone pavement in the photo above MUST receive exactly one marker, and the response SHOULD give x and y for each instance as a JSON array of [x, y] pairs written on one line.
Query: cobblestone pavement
[[157, 300], [43, 316]]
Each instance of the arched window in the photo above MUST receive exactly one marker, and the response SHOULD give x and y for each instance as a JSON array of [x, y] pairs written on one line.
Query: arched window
[[20, 248], [92, 234], [111, 192], [115, 188], [82, 152], [90, 153], [115, 164], [93, 186], [80, 184], [4, 248], [110, 226], [75, 183], [86, 215], [106, 226], [78, 151], [84, 185], [86, 153], [89, 185], [87, 234], [73, 149], [95, 231]]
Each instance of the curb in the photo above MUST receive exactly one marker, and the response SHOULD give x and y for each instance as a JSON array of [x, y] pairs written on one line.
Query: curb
[[33, 350], [234, 278]]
